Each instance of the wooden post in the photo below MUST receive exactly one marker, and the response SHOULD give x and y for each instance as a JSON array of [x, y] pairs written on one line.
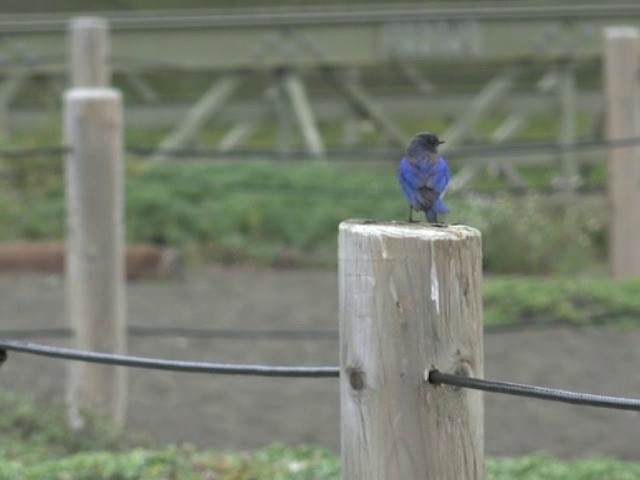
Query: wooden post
[[410, 301], [89, 52], [622, 61], [95, 245], [95, 285]]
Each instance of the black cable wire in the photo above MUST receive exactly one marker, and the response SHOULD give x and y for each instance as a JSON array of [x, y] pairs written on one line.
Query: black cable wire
[[435, 376], [534, 391], [164, 364], [476, 151], [373, 154]]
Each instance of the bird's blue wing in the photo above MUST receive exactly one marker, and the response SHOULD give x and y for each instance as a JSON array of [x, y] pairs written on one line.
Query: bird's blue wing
[[423, 182], [409, 174], [411, 181], [438, 175]]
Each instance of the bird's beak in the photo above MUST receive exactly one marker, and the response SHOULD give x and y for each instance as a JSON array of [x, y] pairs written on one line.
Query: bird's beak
[[440, 142]]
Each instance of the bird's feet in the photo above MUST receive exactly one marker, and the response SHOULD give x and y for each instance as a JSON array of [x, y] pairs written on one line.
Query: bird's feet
[[411, 220]]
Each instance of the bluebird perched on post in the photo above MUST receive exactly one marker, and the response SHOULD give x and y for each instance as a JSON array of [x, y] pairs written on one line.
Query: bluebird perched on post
[[423, 176]]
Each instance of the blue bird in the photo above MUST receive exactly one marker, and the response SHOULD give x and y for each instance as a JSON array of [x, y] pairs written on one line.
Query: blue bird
[[423, 176]]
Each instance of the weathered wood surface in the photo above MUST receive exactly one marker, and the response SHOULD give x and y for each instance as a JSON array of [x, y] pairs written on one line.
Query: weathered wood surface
[[622, 62], [95, 286], [410, 301]]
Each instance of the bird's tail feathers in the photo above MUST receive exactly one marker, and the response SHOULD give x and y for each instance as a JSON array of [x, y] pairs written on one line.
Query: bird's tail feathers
[[439, 206]]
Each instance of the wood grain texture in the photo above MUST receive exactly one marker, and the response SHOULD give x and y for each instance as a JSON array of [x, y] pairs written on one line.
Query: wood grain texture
[[622, 61], [410, 301], [95, 277]]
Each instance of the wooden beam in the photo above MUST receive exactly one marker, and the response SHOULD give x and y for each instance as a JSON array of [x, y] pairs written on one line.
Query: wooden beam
[[295, 89], [8, 90], [485, 100], [202, 111], [368, 107], [567, 134], [140, 85]]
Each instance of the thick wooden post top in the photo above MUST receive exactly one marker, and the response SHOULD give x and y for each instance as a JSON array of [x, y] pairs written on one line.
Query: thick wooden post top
[[405, 229], [410, 301]]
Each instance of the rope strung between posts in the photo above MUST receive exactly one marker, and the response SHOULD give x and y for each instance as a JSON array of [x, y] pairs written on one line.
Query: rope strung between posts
[[434, 376], [368, 154], [164, 364], [534, 391]]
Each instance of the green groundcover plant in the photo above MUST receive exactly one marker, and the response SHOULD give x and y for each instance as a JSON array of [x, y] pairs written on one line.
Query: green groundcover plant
[[35, 444]]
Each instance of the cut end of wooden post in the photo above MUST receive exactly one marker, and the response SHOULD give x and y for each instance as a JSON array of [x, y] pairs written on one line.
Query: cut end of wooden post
[[412, 230], [91, 94]]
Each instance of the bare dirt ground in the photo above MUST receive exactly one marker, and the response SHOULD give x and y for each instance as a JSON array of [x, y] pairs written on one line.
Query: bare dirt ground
[[245, 412]]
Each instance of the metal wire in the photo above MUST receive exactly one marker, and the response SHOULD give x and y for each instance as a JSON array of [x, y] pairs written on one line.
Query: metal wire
[[434, 376], [164, 364], [369, 154], [534, 391]]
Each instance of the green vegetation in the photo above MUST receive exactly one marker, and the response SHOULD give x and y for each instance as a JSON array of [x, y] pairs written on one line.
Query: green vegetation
[[579, 302], [287, 212], [35, 444]]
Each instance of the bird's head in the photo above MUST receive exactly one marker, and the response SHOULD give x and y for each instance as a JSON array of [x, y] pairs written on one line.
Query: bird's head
[[422, 142]]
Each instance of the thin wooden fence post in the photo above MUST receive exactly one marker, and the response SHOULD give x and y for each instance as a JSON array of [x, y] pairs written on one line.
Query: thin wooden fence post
[[95, 269], [621, 63], [89, 52], [410, 301]]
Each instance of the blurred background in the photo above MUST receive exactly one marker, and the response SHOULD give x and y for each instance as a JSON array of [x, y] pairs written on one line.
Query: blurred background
[[253, 129], [242, 100]]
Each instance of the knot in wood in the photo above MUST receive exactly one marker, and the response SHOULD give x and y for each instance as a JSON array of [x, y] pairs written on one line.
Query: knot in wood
[[356, 378]]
